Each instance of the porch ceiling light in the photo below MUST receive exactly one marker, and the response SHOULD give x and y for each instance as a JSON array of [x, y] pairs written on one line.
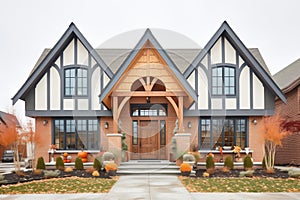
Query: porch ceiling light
[[254, 121]]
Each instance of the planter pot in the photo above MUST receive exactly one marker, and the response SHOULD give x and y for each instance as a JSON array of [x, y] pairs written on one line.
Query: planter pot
[[112, 173], [185, 173]]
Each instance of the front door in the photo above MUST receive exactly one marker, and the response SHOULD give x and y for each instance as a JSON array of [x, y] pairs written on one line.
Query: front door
[[148, 139]]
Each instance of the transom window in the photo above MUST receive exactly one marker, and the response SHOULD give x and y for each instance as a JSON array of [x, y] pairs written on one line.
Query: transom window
[[148, 110], [223, 80], [71, 134], [223, 132], [76, 82]]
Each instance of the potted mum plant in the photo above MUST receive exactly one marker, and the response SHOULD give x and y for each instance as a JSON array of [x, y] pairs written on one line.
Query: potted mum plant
[[111, 169], [185, 169]]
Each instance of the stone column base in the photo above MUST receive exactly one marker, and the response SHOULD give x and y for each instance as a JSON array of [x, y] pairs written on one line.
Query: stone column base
[[115, 145], [183, 142]]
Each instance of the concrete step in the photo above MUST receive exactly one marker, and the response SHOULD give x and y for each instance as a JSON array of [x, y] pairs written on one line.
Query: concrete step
[[148, 167]]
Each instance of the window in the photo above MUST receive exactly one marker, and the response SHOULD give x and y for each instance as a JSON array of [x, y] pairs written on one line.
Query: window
[[162, 132], [223, 132], [148, 110], [135, 132], [205, 133], [217, 125], [76, 82], [241, 133], [223, 81], [71, 134]]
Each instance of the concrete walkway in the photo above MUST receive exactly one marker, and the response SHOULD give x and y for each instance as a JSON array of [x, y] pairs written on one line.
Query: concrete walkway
[[153, 187], [148, 187]]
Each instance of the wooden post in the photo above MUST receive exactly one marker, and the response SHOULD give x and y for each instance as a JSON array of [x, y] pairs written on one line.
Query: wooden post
[[115, 114], [180, 114]]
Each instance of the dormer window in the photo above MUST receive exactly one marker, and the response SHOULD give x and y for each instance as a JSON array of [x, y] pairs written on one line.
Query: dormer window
[[223, 81], [76, 81]]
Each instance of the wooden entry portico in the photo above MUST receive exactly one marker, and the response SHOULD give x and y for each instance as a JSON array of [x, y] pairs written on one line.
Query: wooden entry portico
[[148, 73]]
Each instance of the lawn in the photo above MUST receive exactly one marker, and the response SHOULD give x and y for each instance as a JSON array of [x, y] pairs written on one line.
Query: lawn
[[241, 184], [61, 185]]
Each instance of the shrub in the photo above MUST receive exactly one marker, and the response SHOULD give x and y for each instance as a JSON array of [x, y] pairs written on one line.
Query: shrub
[[97, 164], [111, 166], [2, 179], [78, 164], [59, 163], [40, 163], [248, 164], [210, 164], [68, 169], [228, 163], [185, 167], [188, 157], [108, 156], [51, 174], [95, 173]]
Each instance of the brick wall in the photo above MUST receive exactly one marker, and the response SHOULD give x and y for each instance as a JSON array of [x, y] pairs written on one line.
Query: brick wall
[[289, 152], [44, 141], [256, 139]]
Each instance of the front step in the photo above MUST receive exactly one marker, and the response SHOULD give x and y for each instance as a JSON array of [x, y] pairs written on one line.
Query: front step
[[148, 167]]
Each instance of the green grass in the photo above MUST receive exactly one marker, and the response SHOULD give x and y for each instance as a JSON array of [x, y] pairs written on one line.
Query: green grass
[[61, 185], [241, 184]]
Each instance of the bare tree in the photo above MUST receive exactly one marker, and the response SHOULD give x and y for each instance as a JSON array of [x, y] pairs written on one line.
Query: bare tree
[[273, 135]]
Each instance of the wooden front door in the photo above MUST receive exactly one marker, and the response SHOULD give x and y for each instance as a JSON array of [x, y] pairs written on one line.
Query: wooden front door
[[148, 139]]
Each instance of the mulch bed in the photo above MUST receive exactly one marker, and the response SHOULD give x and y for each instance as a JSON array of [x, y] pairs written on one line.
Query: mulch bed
[[13, 178], [236, 172]]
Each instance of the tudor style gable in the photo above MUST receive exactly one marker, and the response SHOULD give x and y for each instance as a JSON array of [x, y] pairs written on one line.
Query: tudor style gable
[[229, 80], [67, 78], [148, 72]]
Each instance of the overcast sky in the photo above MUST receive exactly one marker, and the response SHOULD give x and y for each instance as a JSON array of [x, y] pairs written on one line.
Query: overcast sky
[[27, 27]]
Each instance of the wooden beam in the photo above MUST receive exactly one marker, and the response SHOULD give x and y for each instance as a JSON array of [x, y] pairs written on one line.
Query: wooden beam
[[149, 94], [171, 100], [122, 105], [115, 115], [180, 114], [152, 83]]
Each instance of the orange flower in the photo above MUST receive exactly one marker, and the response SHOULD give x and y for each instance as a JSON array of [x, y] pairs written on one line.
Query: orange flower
[[111, 166], [185, 167]]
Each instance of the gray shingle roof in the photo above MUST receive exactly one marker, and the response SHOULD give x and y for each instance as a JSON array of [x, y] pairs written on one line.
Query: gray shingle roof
[[288, 75], [181, 57]]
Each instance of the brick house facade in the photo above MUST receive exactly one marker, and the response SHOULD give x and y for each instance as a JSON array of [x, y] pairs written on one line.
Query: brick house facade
[[83, 98], [289, 81]]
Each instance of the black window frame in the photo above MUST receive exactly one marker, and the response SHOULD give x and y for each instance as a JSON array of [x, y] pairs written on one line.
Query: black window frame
[[225, 83], [79, 81], [71, 129], [140, 107], [240, 132]]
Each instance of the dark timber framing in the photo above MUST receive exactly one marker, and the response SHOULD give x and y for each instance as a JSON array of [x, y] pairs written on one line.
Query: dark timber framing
[[226, 31], [54, 53]]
